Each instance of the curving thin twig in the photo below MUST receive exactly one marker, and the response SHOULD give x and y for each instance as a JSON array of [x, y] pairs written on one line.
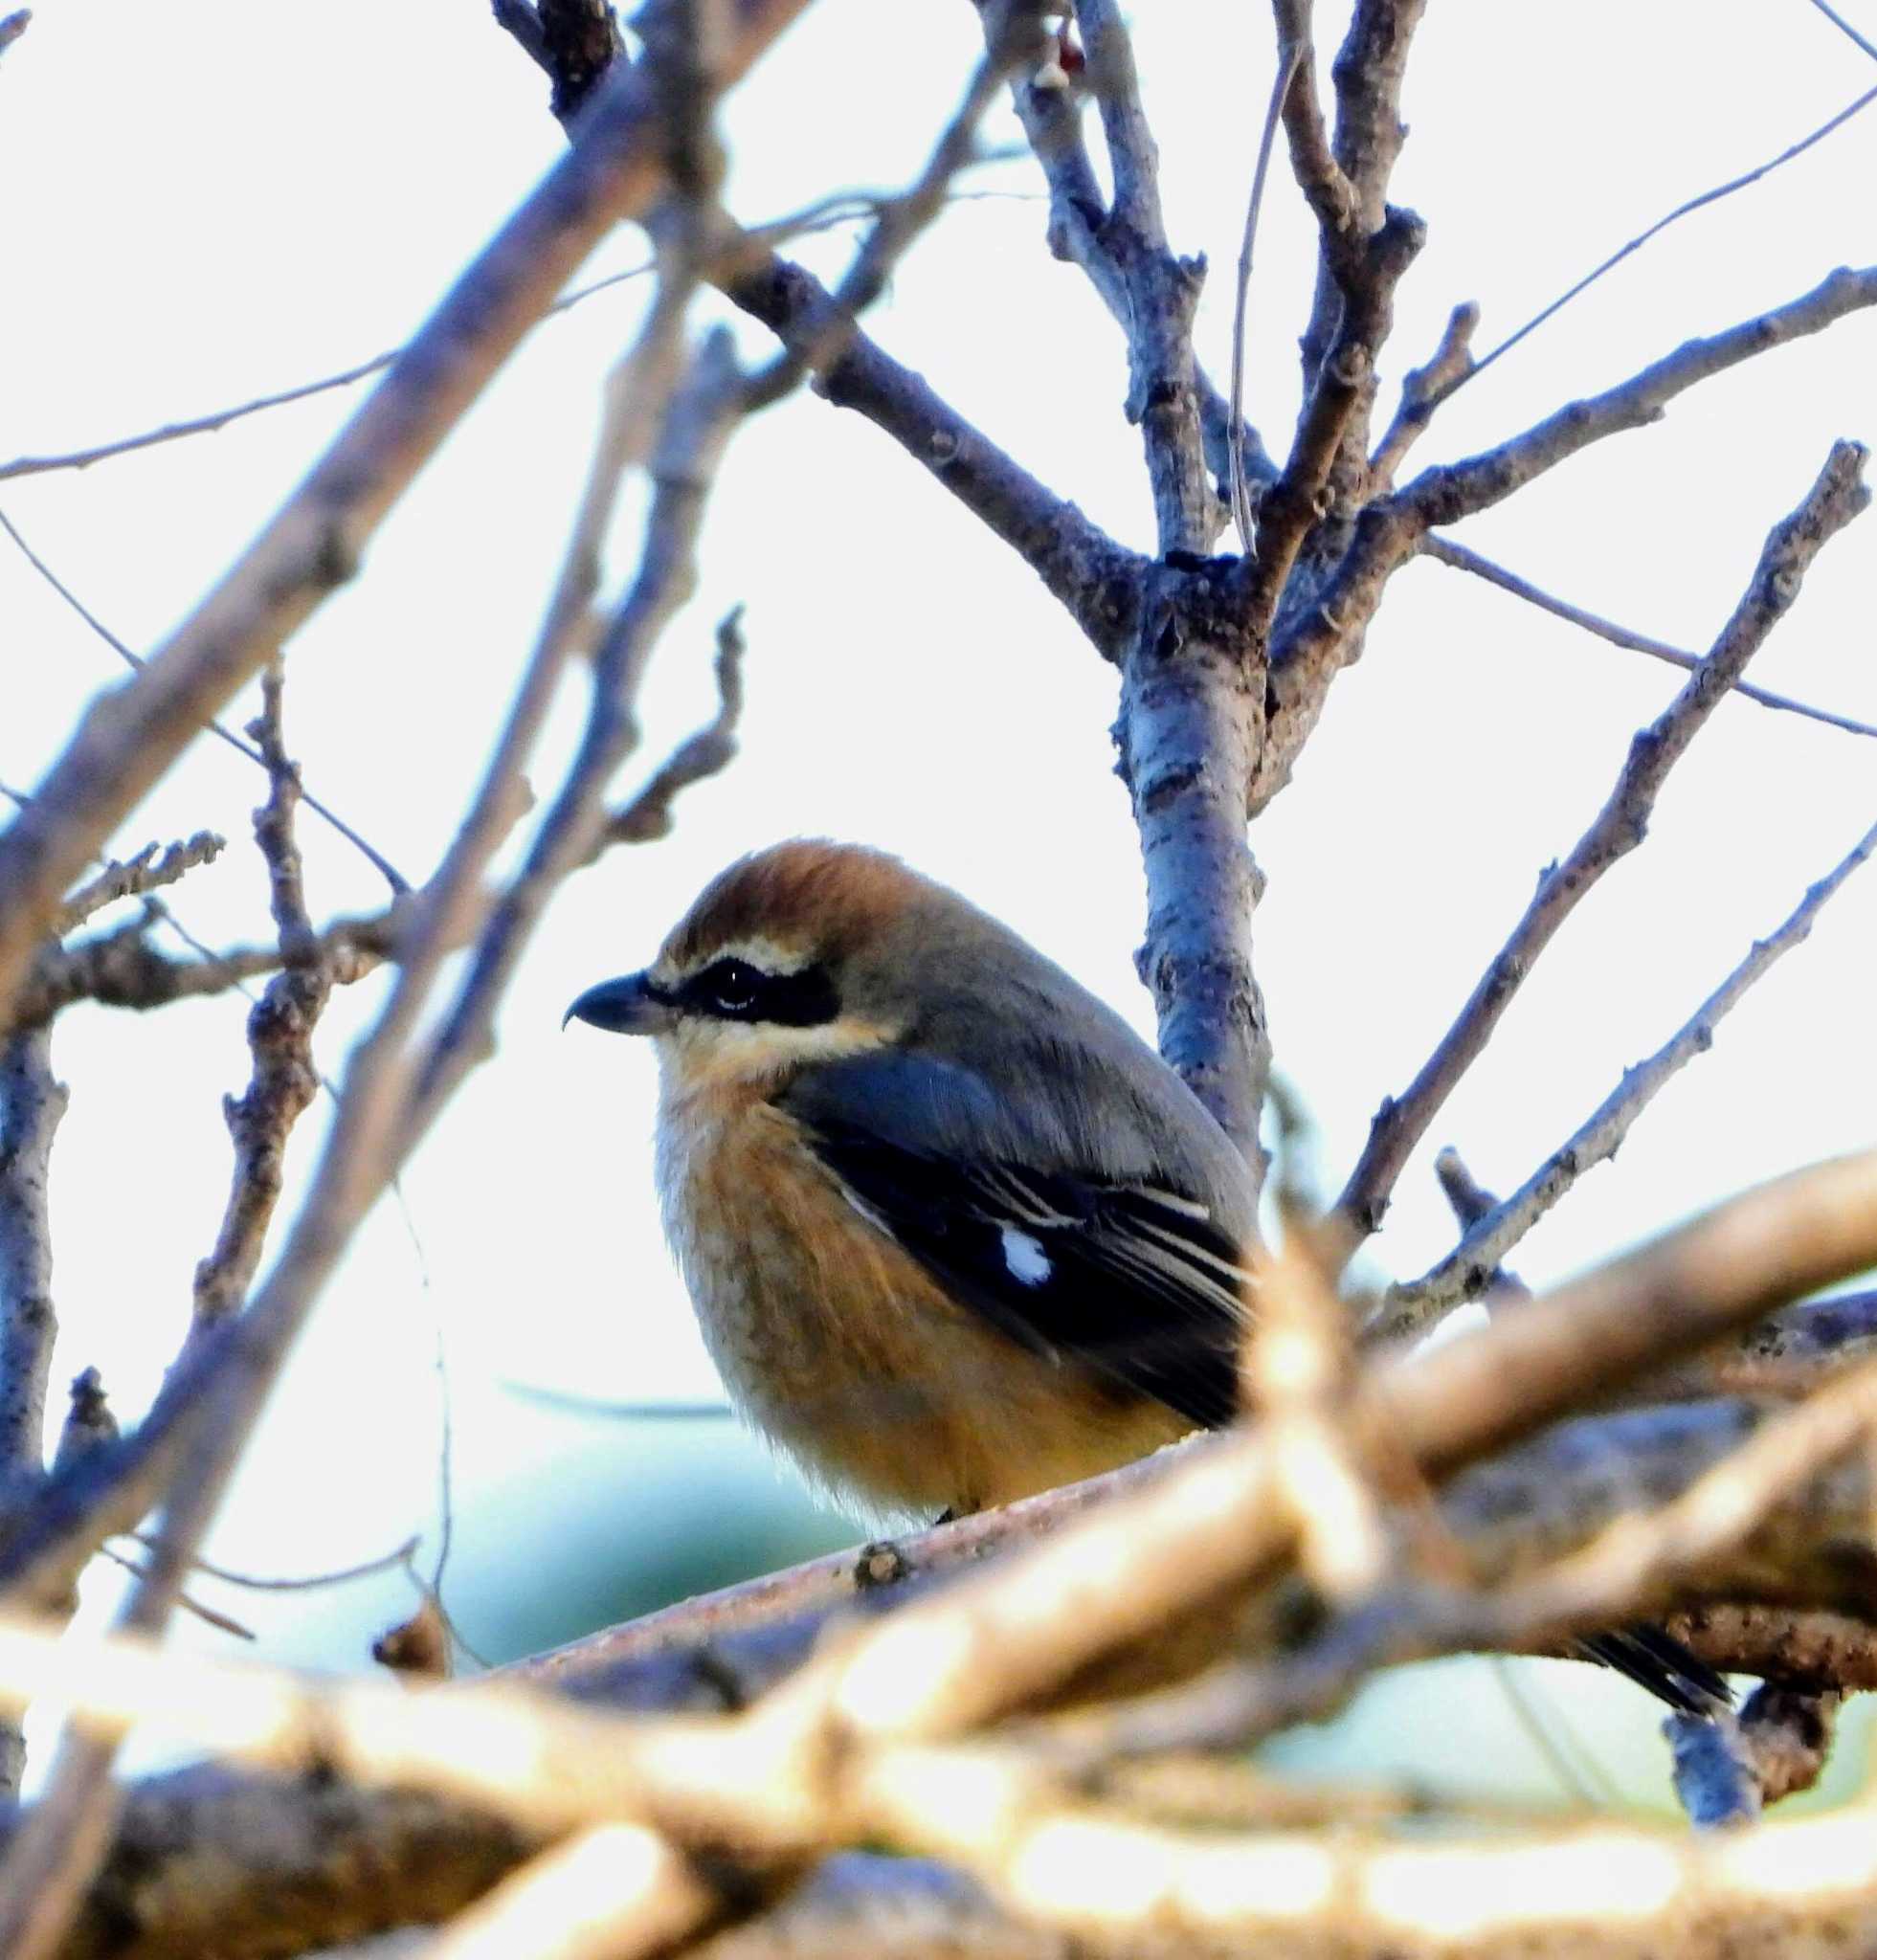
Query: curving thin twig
[[1290, 57], [1661, 225], [136, 662], [1444, 550]]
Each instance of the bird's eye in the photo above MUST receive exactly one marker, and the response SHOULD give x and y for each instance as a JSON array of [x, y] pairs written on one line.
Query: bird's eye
[[732, 985]]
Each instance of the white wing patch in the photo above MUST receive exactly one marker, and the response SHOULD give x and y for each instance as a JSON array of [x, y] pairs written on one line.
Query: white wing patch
[[1025, 1257]]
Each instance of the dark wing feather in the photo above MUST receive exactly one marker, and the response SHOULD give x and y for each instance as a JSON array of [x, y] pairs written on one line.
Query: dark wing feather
[[1658, 1662], [1130, 1275]]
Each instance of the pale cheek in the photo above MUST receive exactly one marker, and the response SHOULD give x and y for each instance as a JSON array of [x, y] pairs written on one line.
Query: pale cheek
[[700, 1056]]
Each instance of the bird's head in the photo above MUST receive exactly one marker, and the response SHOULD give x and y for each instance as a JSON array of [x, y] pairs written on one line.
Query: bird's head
[[807, 951]]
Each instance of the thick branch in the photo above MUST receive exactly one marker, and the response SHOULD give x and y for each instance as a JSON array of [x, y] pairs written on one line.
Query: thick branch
[[32, 1103], [1189, 728], [1320, 177], [1093, 576]]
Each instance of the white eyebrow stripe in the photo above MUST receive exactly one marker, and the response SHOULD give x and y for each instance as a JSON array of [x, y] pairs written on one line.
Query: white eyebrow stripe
[[766, 955]]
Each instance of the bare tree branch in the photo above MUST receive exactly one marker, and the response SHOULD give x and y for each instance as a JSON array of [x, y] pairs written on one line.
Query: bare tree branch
[[1779, 1643], [1292, 53], [1706, 197], [125, 741], [707, 753], [32, 1103], [757, 1782], [1844, 27], [619, 1889], [1014, 36], [1446, 551], [1557, 1544], [1420, 395], [122, 968], [1161, 293], [1308, 653], [1470, 1202], [1093, 577], [573, 42], [285, 1078], [150, 870], [1409, 1309], [136, 662], [844, 207], [1836, 498], [1320, 176]]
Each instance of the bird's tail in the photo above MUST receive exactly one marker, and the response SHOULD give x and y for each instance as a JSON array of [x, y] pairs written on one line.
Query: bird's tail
[[1656, 1660]]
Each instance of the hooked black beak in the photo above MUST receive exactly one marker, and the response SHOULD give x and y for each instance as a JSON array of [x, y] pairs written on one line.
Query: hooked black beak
[[630, 1005]]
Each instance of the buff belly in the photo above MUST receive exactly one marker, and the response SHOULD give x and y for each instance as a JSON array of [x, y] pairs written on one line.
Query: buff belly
[[836, 1346]]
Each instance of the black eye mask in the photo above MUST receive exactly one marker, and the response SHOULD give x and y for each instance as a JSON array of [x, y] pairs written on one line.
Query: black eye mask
[[731, 990]]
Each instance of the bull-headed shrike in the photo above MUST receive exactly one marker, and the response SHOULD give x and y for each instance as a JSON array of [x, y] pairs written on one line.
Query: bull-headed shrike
[[953, 1231]]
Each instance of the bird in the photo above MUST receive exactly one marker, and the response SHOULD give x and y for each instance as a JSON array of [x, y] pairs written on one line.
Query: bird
[[954, 1233]]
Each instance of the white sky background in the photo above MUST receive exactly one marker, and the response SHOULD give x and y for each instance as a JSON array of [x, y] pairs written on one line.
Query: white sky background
[[216, 198]]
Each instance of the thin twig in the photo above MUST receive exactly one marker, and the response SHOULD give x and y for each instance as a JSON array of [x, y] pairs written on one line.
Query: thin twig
[[316, 1582], [1093, 577], [223, 1623], [1290, 57], [1444, 550], [1834, 500], [150, 870], [122, 968], [612, 171], [1661, 225], [843, 207], [706, 753], [1420, 395], [1471, 1202], [1317, 644], [1412, 1308], [1013, 35], [1844, 26], [285, 1079], [136, 662]]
